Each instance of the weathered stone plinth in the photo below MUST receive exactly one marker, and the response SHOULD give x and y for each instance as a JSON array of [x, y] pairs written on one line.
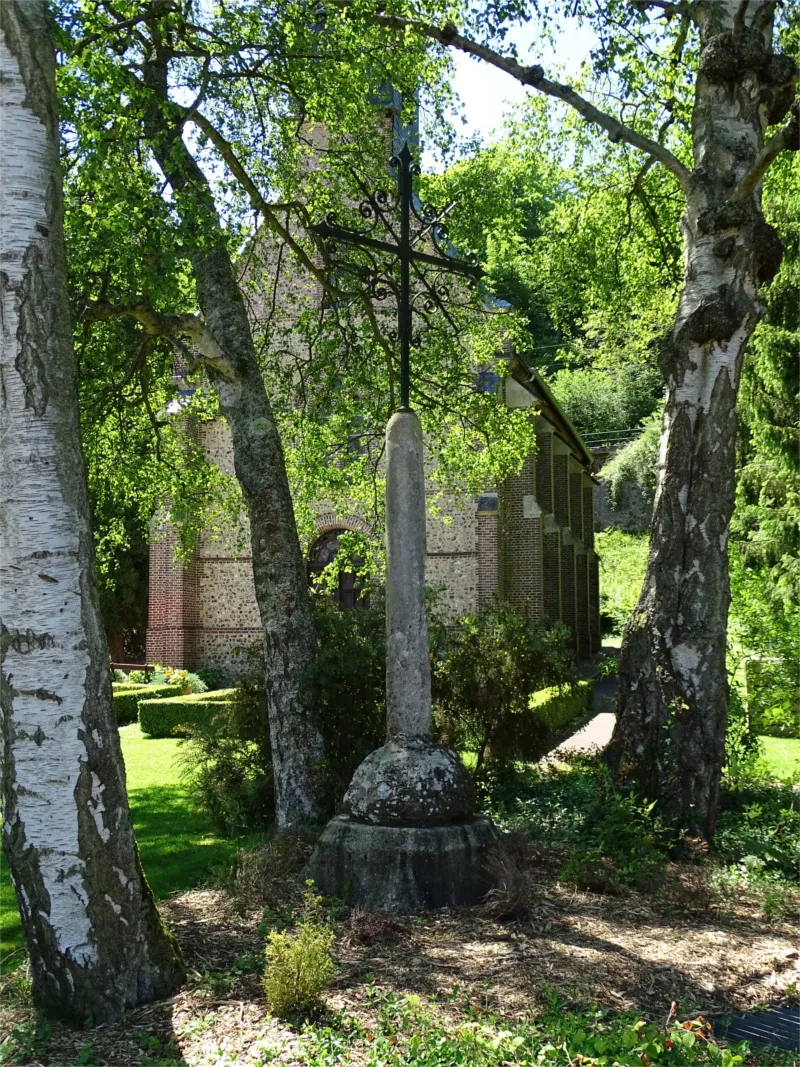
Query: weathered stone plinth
[[403, 869], [411, 784]]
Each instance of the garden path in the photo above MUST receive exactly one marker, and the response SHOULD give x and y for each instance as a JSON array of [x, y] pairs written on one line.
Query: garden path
[[596, 733]]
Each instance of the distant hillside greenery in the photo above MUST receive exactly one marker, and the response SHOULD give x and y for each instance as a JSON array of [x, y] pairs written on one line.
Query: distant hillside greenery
[[601, 400]]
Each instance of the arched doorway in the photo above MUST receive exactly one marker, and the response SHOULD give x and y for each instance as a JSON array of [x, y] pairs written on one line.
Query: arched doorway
[[348, 593]]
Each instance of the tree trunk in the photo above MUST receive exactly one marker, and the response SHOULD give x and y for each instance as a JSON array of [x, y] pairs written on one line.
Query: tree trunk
[[96, 941], [669, 739], [279, 571]]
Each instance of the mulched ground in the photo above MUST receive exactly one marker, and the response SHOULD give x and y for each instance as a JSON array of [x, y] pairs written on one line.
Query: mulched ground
[[633, 951]]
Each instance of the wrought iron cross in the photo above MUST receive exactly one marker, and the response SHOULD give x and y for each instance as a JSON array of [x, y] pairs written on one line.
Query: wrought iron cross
[[419, 224]]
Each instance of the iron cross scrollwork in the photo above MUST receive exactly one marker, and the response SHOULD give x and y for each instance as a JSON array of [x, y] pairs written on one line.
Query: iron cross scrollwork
[[417, 240]]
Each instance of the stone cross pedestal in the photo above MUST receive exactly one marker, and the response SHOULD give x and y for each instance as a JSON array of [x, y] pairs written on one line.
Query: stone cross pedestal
[[406, 838]]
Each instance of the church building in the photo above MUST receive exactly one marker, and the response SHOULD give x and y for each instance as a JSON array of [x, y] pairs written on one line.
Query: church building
[[530, 542]]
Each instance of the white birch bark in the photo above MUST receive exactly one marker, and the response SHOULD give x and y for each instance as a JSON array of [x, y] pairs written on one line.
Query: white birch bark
[[95, 939], [669, 740]]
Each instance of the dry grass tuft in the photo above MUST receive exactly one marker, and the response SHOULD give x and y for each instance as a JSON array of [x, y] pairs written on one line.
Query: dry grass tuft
[[375, 927], [509, 871], [270, 875]]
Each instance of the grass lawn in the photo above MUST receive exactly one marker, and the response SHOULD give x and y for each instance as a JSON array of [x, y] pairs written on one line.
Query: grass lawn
[[178, 844], [782, 755]]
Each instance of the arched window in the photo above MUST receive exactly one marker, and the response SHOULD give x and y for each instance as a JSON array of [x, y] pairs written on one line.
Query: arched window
[[348, 593]]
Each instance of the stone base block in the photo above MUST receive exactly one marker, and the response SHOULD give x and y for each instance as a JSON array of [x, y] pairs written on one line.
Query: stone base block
[[403, 869]]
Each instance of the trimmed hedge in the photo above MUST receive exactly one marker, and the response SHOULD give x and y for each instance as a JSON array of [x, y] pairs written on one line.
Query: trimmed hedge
[[551, 709], [128, 694], [170, 717], [557, 706]]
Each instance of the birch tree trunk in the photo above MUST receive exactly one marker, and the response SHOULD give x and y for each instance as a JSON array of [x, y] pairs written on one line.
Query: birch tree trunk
[[669, 738], [96, 942], [279, 571]]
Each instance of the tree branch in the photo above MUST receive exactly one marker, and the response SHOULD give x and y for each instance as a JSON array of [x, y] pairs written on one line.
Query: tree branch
[[277, 227], [535, 79], [787, 139], [667, 6], [173, 327]]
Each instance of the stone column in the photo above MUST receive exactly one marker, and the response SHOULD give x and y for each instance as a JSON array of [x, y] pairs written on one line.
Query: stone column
[[406, 838], [409, 781], [408, 668]]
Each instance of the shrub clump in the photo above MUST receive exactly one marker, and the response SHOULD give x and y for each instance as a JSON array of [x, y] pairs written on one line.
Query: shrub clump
[[485, 671], [228, 761], [299, 965], [126, 698], [176, 715], [621, 844]]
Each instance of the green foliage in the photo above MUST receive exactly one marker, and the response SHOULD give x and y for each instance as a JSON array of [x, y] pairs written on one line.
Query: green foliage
[[766, 525], [211, 677], [299, 965], [764, 635], [742, 746], [128, 696], [558, 706], [177, 715], [227, 759], [761, 820], [621, 843], [637, 462], [602, 400], [24, 1042], [781, 757], [119, 676], [485, 670], [415, 1032], [348, 681], [623, 562]]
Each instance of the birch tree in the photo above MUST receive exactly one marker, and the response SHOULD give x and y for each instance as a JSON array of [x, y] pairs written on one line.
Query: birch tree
[[96, 942], [166, 80], [700, 88]]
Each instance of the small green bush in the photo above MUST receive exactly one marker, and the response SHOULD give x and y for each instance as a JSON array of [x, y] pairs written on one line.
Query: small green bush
[[228, 763], [127, 697], [485, 671], [119, 676], [299, 963], [348, 684], [622, 843], [173, 716], [211, 677]]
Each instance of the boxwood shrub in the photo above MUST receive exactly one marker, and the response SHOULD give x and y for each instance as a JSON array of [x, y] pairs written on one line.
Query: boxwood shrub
[[128, 695], [560, 705], [172, 717]]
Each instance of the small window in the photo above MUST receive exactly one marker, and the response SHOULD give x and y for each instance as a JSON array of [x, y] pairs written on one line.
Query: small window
[[349, 592]]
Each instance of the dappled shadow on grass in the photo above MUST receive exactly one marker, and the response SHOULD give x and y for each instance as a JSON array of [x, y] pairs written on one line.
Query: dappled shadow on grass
[[178, 845]]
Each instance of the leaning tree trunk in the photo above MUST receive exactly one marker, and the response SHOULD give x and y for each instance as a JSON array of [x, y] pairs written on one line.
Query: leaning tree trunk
[[279, 572], [96, 942], [669, 738]]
